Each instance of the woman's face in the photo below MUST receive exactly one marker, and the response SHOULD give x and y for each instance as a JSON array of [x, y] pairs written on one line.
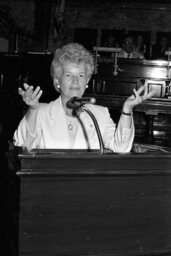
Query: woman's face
[[73, 80]]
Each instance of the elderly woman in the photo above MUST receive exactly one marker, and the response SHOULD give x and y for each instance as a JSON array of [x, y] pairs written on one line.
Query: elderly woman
[[52, 125]]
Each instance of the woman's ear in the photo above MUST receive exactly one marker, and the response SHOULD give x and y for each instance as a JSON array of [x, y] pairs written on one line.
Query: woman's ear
[[88, 80], [56, 84]]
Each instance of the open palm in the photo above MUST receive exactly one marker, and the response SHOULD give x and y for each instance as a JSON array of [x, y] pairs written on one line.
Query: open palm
[[139, 96]]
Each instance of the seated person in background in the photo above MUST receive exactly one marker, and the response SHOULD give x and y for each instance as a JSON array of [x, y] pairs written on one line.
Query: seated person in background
[[128, 49], [158, 49], [111, 42], [52, 125], [140, 47]]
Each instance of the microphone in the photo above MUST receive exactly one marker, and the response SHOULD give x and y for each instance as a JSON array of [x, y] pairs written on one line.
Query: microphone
[[76, 102]]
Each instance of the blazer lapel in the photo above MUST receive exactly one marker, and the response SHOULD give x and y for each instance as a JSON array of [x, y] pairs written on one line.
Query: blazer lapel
[[85, 132], [59, 124]]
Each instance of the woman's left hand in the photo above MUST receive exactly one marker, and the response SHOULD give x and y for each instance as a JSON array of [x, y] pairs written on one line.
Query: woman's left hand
[[137, 98]]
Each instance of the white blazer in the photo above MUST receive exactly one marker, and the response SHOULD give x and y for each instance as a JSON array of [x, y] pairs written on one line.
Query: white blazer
[[52, 130]]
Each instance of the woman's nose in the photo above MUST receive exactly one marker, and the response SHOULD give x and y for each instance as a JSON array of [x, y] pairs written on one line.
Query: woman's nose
[[75, 80]]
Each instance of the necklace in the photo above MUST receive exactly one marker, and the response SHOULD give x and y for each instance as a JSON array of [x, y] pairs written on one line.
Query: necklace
[[71, 123], [70, 126]]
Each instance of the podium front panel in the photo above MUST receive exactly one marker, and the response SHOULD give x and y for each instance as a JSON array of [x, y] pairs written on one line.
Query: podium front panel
[[91, 204]]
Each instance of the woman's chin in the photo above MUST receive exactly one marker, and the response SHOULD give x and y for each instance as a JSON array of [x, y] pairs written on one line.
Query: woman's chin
[[76, 94]]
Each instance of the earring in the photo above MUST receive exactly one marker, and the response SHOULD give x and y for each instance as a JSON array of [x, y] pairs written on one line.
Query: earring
[[56, 83], [87, 86]]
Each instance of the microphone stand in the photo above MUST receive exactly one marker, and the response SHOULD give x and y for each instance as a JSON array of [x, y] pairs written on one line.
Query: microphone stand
[[82, 108]]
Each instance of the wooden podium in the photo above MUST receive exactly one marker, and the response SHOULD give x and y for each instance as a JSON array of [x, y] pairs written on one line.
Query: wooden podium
[[82, 203]]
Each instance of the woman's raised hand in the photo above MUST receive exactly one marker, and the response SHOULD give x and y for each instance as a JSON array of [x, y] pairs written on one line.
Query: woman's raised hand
[[138, 97], [30, 96]]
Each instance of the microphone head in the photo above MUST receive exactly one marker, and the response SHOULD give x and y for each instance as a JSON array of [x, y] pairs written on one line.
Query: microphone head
[[76, 102], [70, 103]]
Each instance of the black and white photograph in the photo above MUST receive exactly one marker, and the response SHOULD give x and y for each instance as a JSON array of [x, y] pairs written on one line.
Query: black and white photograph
[[85, 127]]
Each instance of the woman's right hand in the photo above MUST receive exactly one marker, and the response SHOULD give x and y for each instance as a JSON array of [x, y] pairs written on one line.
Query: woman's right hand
[[30, 97]]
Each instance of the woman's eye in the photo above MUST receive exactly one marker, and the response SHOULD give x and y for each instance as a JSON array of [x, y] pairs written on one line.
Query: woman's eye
[[68, 75], [82, 75]]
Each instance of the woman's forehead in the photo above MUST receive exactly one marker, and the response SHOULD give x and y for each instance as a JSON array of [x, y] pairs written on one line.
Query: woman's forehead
[[73, 65]]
